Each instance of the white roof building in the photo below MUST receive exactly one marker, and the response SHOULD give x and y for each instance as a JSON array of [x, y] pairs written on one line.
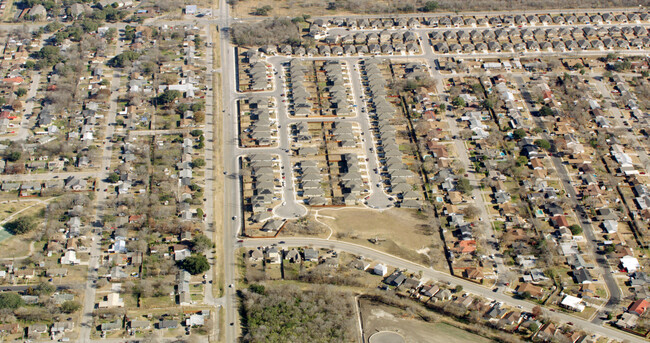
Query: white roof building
[[380, 269], [629, 263], [573, 303]]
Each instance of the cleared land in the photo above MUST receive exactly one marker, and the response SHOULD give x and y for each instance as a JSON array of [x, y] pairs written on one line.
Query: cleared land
[[384, 318], [404, 233]]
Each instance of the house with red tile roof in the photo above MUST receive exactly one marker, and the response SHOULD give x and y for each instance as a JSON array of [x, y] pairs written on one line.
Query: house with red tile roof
[[639, 306]]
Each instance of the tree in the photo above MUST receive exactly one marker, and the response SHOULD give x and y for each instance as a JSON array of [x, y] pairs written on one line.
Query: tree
[[257, 288], [196, 133], [13, 156], [113, 177], [525, 295], [458, 102], [195, 264], [198, 106], [471, 211], [199, 117], [543, 143], [463, 185], [11, 300], [168, 96], [487, 104], [537, 311], [575, 229], [430, 6], [124, 59], [21, 92], [201, 243], [21, 225], [262, 11], [518, 134], [545, 111], [70, 306], [45, 288], [198, 163], [458, 288]]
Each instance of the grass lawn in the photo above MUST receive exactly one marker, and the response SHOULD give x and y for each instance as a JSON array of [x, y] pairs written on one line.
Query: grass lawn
[[157, 302], [15, 246], [7, 209]]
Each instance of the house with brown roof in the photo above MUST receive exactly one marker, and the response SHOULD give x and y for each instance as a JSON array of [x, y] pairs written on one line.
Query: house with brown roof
[[465, 246], [560, 221], [534, 291], [474, 274]]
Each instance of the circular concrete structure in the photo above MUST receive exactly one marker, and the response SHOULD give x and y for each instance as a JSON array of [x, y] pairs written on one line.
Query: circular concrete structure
[[386, 337]]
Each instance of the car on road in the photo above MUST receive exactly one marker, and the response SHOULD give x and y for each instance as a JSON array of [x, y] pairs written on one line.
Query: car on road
[[240, 241], [234, 217]]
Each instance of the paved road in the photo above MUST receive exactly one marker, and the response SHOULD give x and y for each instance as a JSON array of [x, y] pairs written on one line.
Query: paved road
[[615, 294], [378, 198], [28, 113], [477, 198], [95, 251], [232, 199], [431, 274]]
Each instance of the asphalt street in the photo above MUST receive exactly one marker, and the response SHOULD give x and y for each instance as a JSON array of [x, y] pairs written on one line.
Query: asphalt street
[[615, 294]]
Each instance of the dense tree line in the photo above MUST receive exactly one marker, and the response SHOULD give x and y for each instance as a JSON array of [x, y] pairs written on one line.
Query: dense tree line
[[412, 6], [288, 314], [270, 31]]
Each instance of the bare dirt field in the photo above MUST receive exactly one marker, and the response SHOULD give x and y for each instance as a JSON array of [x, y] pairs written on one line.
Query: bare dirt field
[[397, 231], [378, 318]]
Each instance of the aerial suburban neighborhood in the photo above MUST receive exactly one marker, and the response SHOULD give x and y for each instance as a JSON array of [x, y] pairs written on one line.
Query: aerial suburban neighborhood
[[344, 171]]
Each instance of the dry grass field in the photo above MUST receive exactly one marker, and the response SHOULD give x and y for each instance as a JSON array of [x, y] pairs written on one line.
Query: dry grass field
[[400, 232]]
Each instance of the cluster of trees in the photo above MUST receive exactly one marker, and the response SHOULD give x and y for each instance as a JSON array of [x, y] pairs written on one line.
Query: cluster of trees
[[271, 31], [195, 264], [287, 314], [262, 11], [464, 186], [48, 56], [124, 59], [12, 306], [21, 225]]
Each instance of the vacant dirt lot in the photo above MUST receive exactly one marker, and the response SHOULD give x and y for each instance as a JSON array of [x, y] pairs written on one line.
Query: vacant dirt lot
[[384, 318], [399, 232]]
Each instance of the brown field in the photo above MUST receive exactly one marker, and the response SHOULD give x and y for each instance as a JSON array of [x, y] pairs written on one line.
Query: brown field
[[385, 318], [400, 229], [17, 246]]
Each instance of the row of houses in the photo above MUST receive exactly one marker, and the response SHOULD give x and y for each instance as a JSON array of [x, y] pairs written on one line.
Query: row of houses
[[560, 46], [351, 181], [539, 34], [310, 180], [259, 78], [259, 130], [72, 183], [337, 87], [298, 93], [497, 20], [262, 172], [394, 170]]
